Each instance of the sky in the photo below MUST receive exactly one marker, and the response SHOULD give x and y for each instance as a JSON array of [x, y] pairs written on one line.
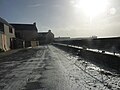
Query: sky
[[70, 18]]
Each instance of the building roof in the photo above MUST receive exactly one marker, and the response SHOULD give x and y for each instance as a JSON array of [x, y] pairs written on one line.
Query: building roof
[[25, 26], [4, 22], [43, 33]]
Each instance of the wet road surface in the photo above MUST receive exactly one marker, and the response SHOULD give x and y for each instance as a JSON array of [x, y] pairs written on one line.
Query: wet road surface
[[32, 69], [49, 68]]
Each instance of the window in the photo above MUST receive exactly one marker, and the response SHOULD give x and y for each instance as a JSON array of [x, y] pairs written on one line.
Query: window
[[1, 27], [10, 30]]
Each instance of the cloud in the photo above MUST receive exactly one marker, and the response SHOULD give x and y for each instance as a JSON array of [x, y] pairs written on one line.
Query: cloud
[[56, 5], [34, 5]]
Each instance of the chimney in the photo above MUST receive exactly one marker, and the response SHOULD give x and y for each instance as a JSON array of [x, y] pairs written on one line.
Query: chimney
[[49, 30], [34, 23]]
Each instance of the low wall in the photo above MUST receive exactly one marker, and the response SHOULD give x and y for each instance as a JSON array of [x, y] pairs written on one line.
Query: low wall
[[103, 59], [106, 61]]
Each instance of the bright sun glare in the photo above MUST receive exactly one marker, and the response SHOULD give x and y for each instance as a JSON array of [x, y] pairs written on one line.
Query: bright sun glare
[[91, 7]]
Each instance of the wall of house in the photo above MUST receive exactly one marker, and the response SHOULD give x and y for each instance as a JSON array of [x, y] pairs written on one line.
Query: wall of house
[[34, 43], [1, 47], [30, 35], [4, 42], [49, 37], [18, 43], [27, 35], [42, 38], [46, 37], [8, 36]]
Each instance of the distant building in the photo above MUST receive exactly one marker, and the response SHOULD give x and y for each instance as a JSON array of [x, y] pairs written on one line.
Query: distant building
[[45, 37], [94, 37], [7, 34], [61, 38], [26, 32]]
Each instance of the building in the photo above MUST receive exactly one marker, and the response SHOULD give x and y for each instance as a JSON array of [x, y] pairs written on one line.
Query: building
[[61, 38], [45, 37], [27, 33], [7, 33]]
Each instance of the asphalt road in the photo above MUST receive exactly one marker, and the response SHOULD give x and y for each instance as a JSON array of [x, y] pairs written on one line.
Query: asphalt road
[[49, 68], [31, 69]]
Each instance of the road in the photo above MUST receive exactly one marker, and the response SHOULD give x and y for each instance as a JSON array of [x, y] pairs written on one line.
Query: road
[[46, 68], [31, 69]]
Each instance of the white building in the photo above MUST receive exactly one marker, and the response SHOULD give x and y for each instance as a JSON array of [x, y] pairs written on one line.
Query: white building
[[7, 33]]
